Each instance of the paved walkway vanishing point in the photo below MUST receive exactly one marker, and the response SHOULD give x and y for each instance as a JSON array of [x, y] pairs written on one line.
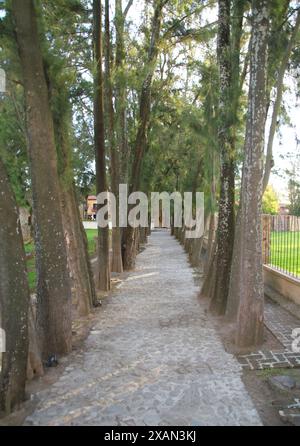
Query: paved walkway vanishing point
[[152, 358]]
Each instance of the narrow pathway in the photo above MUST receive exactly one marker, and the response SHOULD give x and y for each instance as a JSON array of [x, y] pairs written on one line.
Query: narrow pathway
[[152, 358]]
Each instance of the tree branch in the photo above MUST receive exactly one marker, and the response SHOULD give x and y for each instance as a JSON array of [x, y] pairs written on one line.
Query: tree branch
[[129, 4], [279, 93]]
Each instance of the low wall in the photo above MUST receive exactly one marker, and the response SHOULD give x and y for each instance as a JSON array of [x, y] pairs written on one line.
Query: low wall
[[284, 284]]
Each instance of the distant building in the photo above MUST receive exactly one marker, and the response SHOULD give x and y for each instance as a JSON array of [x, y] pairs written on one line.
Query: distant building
[[90, 212], [283, 209]]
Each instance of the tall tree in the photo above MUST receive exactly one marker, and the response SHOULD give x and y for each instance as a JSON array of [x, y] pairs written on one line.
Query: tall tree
[[249, 285], [58, 65], [218, 265], [84, 295], [53, 282], [14, 300], [103, 275], [143, 123], [116, 263], [120, 89], [226, 219]]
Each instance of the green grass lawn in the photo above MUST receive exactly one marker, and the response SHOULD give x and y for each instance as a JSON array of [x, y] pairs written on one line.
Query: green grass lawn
[[29, 248], [91, 234], [285, 251]]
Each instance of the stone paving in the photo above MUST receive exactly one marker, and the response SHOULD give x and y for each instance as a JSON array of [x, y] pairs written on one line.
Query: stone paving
[[152, 358], [262, 360], [281, 323]]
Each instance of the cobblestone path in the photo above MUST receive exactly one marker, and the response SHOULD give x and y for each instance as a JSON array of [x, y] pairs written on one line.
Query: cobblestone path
[[281, 323], [152, 358]]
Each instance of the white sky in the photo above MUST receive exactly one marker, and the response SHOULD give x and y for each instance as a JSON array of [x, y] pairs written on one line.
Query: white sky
[[285, 147]]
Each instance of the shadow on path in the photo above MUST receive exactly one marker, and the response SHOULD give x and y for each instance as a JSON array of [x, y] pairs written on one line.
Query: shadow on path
[[152, 358]]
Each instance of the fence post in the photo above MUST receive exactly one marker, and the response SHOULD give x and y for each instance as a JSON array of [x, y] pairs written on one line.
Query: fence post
[[266, 224]]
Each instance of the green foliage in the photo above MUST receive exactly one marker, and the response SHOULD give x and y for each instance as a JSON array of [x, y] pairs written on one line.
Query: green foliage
[[270, 203], [13, 136], [294, 186], [182, 145], [13, 144], [294, 196]]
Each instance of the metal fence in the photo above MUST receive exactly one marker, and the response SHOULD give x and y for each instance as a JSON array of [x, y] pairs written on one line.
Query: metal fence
[[281, 243]]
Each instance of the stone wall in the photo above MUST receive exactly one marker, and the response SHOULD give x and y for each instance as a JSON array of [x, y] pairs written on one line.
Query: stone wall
[[284, 284]]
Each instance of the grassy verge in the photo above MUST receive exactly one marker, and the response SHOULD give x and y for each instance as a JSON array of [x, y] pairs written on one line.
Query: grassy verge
[[285, 251]]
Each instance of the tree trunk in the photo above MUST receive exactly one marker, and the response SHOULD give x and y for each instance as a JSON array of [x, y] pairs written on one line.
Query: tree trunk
[[137, 241], [103, 274], [53, 281], [83, 287], [209, 281], [238, 74], [226, 219], [250, 323], [187, 245], [210, 241], [143, 236], [116, 263], [210, 257], [14, 301], [120, 91], [234, 290], [197, 246], [182, 236], [196, 251], [34, 364], [144, 117]]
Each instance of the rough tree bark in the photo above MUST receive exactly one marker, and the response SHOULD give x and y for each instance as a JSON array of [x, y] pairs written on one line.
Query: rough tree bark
[[116, 261], [226, 219], [250, 323], [53, 281], [83, 287], [209, 271], [120, 99], [103, 274], [143, 236], [144, 116], [233, 293], [197, 246], [211, 218], [193, 245], [14, 301], [237, 88], [34, 364], [210, 258], [120, 90]]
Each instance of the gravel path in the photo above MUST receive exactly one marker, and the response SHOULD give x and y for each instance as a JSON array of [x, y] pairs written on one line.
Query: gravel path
[[152, 358]]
